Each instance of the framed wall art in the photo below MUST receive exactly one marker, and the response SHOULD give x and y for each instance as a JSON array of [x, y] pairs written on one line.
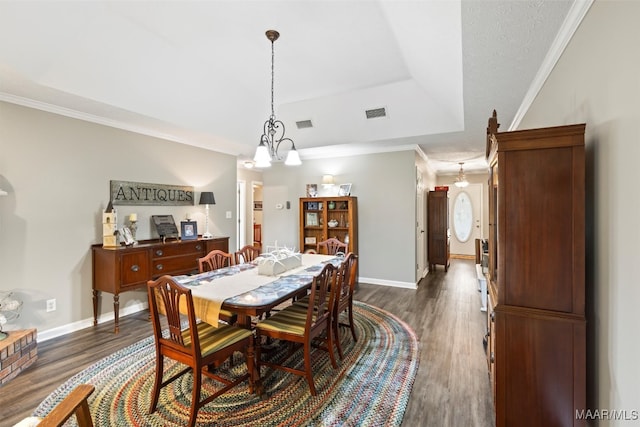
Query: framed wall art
[[188, 230], [312, 219], [127, 236], [312, 190], [344, 190]]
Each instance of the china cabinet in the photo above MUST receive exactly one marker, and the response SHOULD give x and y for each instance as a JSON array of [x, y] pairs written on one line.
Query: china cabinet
[[325, 217]]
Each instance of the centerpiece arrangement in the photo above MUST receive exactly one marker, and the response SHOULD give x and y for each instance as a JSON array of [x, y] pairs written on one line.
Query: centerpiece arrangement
[[277, 261]]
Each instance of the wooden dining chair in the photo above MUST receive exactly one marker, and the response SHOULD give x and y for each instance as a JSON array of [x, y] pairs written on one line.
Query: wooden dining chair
[[345, 284], [214, 260], [331, 246], [301, 327], [345, 287], [199, 346], [247, 254]]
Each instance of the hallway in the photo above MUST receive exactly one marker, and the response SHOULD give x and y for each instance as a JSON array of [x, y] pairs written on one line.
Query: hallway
[[452, 385]]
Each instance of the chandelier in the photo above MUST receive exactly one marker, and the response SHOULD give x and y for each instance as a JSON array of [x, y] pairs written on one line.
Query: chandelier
[[273, 130], [461, 179]]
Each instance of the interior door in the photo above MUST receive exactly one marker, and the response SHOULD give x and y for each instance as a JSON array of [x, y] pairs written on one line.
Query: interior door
[[469, 203], [421, 253]]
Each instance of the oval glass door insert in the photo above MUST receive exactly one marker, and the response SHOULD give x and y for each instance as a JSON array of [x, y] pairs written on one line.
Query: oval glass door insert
[[462, 217]]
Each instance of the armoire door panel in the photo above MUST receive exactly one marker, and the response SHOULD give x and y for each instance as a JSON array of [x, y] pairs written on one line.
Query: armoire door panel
[[539, 230], [536, 363]]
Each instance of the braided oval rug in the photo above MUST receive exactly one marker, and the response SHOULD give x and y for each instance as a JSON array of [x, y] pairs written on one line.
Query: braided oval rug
[[370, 387]]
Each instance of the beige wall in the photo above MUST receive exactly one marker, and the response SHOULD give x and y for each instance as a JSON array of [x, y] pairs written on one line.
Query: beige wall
[[597, 82], [385, 185], [57, 172]]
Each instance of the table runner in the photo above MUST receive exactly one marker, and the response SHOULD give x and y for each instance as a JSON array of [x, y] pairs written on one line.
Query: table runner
[[208, 295]]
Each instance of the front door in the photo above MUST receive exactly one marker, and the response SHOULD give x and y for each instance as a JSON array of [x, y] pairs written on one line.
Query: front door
[[465, 218]]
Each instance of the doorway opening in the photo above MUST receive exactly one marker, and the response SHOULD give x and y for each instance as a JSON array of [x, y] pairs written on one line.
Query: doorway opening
[[257, 221]]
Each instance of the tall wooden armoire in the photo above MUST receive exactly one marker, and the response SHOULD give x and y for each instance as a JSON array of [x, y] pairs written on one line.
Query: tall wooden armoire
[[537, 344], [438, 236]]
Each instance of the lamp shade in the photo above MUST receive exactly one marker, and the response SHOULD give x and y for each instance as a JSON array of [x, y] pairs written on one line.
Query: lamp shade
[[206, 198], [328, 180], [262, 157], [293, 158]]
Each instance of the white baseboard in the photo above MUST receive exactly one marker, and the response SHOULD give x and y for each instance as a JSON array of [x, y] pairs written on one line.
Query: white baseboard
[[85, 323], [392, 283]]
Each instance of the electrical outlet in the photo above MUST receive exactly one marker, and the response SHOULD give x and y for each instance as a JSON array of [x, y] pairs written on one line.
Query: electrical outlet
[[51, 305], [228, 214]]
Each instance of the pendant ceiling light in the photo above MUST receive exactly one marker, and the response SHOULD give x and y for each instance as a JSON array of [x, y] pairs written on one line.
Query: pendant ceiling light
[[273, 129], [461, 179]]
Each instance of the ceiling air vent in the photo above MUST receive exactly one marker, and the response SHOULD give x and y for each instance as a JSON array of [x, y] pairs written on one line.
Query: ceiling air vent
[[303, 124], [376, 112]]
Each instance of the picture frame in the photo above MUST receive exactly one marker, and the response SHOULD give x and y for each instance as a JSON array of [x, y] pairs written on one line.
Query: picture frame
[[344, 190], [312, 219], [257, 206], [188, 230], [312, 190], [310, 240], [127, 236], [312, 206]]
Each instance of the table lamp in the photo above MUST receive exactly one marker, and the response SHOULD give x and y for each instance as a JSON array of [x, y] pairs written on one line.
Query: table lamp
[[206, 199]]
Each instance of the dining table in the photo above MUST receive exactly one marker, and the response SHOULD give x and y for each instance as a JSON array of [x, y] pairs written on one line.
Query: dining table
[[242, 290]]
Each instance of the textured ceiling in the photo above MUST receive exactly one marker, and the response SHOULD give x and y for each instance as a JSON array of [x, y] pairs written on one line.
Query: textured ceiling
[[199, 72]]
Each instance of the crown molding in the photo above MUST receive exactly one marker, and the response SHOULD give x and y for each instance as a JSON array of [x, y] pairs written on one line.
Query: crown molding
[[117, 124]]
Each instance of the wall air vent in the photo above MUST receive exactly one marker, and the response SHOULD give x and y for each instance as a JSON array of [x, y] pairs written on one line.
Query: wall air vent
[[303, 124], [376, 112]]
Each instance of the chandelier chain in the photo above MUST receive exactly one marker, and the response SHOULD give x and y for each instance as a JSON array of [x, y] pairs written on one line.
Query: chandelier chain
[[273, 114]]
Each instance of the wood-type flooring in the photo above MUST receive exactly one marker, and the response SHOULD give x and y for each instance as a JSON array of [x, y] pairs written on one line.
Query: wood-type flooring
[[451, 387]]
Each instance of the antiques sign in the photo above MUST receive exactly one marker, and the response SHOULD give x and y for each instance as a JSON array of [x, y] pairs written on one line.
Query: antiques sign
[[141, 193]]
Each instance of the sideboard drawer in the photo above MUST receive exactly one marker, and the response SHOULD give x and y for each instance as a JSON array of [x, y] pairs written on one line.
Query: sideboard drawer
[[134, 268], [176, 265], [173, 249]]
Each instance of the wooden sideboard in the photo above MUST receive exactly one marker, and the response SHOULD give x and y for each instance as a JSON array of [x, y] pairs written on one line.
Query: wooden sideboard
[[125, 268]]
